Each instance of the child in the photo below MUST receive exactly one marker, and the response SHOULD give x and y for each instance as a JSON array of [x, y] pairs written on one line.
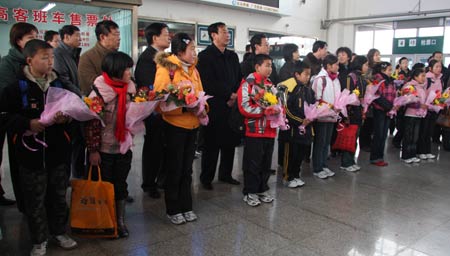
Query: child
[[43, 167], [381, 106], [297, 144], [180, 127], [411, 121], [327, 87], [114, 86], [259, 136]]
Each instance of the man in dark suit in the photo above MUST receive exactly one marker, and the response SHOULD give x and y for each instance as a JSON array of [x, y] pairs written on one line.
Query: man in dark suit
[[221, 75], [158, 39]]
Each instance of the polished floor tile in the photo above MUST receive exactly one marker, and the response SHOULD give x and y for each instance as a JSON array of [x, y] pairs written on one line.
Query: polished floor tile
[[380, 211]]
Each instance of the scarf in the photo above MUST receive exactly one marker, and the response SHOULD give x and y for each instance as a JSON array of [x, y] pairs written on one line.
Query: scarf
[[120, 88], [332, 75]]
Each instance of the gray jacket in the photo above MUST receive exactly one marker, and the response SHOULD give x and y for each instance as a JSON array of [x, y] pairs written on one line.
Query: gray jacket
[[66, 65]]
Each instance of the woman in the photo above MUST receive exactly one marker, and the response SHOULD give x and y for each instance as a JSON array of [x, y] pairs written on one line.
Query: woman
[[291, 56], [180, 126], [114, 87], [355, 81]]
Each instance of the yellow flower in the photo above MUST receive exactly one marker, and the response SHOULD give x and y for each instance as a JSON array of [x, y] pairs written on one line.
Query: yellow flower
[[446, 95], [436, 101], [269, 97], [139, 99], [356, 92], [88, 101]]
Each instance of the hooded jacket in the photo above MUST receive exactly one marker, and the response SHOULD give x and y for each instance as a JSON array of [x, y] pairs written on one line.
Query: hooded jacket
[[327, 91]]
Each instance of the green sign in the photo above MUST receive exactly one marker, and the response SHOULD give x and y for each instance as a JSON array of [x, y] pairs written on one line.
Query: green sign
[[414, 45]]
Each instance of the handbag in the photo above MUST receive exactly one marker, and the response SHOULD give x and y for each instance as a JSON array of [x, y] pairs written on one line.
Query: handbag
[[92, 211], [444, 118], [346, 138]]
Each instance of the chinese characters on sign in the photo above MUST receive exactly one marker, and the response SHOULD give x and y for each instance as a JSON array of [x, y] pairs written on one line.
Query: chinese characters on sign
[[84, 37]]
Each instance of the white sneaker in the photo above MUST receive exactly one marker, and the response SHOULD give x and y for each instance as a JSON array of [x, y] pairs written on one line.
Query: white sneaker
[[356, 167], [416, 160], [265, 197], [329, 172], [409, 160], [322, 174], [422, 156], [64, 241], [348, 169], [291, 183], [299, 182], [252, 200], [190, 216], [177, 219], [431, 156], [39, 249]]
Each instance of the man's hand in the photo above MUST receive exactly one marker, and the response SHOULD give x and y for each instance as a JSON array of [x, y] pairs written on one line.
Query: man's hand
[[94, 158], [36, 126], [232, 100]]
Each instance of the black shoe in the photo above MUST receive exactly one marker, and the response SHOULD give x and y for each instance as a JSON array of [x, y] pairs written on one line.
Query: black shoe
[[207, 186], [273, 171], [129, 199], [154, 193], [230, 181], [5, 201]]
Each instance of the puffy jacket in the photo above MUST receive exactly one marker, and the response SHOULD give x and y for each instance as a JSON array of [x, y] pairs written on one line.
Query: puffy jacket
[[413, 110], [327, 91], [10, 67], [433, 83]]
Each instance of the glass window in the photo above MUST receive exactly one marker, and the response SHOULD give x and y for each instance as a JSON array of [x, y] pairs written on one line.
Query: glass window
[[386, 59], [433, 31], [447, 40], [410, 32], [384, 40], [363, 42]]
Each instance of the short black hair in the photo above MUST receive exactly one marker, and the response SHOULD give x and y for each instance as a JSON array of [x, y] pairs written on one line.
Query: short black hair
[[346, 50], [18, 31], [432, 63], [248, 48], [180, 42], [260, 58], [417, 71], [49, 34], [288, 50], [154, 29], [370, 55], [401, 59], [436, 52], [104, 27], [214, 28], [418, 65], [68, 30], [300, 66], [381, 66], [319, 45], [330, 59], [33, 46], [256, 40], [115, 63], [358, 62]]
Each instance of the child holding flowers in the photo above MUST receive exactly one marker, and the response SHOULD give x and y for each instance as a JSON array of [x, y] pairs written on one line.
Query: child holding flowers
[[256, 103], [176, 74], [110, 97]]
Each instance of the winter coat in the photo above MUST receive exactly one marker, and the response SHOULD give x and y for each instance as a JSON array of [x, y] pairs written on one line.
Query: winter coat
[[21, 107], [413, 110], [433, 83], [10, 67], [146, 68], [314, 63], [248, 67], [166, 64], [355, 80], [386, 91], [66, 64], [326, 92], [343, 73], [287, 70]]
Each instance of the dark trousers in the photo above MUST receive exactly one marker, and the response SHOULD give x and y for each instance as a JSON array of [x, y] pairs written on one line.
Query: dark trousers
[[15, 174], [295, 153], [397, 140], [348, 158], [115, 169], [426, 130], [322, 139], [2, 141], [411, 126], [44, 198], [256, 164], [365, 137], [153, 152], [380, 132], [78, 157], [210, 157], [180, 151]]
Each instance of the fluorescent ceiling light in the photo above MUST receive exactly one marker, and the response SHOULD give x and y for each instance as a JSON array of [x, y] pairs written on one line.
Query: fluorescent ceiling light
[[48, 7]]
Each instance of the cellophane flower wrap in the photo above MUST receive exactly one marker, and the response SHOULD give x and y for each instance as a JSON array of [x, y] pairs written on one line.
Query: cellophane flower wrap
[[316, 111], [344, 99], [399, 80], [265, 95], [371, 94], [436, 101], [408, 95]]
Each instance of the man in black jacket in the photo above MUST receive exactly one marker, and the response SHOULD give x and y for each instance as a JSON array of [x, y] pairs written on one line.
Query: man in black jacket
[[158, 39], [221, 75], [314, 58]]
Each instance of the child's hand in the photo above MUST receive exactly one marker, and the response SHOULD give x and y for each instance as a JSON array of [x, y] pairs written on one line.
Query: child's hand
[[60, 118], [94, 158], [272, 111], [423, 106], [36, 126], [306, 122]]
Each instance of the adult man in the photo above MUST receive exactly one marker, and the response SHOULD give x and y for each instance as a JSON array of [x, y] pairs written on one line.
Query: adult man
[[52, 38], [314, 58], [259, 45], [89, 68], [67, 55], [220, 73], [158, 39]]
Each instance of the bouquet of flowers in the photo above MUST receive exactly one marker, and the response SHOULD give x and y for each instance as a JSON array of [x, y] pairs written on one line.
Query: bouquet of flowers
[[399, 80], [408, 94], [346, 98], [436, 100], [371, 94], [316, 111], [265, 97]]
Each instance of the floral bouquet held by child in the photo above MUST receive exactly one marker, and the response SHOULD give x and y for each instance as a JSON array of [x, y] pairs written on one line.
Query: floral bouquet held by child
[[316, 111], [346, 98], [265, 97], [408, 95], [436, 100], [371, 94]]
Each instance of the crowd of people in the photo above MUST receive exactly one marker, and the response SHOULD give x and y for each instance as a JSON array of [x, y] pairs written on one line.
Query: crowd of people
[[55, 153]]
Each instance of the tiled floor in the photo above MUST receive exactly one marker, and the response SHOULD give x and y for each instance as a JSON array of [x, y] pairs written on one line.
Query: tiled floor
[[397, 210]]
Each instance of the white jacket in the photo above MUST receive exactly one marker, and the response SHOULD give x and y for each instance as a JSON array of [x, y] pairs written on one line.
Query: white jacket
[[327, 94]]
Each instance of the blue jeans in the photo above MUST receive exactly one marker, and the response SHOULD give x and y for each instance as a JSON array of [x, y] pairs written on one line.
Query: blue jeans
[[322, 140], [380, 131]]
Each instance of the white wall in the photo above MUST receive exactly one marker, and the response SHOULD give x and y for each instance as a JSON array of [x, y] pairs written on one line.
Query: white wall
[[304, 19]]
